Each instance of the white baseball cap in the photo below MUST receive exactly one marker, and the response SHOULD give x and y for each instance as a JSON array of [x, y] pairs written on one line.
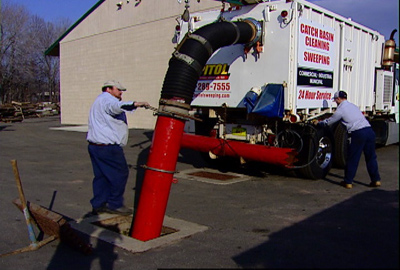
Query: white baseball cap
[[114, 83]]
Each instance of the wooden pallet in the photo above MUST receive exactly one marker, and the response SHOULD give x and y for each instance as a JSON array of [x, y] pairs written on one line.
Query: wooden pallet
[[54, 224]]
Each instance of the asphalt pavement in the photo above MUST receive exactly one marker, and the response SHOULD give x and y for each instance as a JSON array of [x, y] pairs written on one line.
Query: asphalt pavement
[[268, 219]]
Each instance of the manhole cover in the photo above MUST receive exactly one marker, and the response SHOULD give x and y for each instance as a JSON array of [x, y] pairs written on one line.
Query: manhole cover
[[122, 225], [212, 176], [215, 176]]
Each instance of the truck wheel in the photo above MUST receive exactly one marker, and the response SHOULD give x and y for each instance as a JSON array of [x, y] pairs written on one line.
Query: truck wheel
[[339, 156], [316, 156]]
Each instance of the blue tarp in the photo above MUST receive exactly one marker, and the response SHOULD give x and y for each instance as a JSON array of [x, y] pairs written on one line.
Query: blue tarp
[[249, 101], [269, 103]]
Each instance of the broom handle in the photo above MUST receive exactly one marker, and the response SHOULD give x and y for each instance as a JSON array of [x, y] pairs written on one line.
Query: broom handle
[[31, 232]]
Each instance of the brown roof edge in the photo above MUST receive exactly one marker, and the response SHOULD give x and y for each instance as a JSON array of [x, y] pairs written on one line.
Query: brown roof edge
[[54, 49]]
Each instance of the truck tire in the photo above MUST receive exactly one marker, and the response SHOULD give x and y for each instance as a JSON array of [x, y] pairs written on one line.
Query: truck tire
[[341, 142], [316, 155], [381, 130]]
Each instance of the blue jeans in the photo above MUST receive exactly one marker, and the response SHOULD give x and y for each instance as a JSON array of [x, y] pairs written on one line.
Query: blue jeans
[[362, 140], [110, 175]]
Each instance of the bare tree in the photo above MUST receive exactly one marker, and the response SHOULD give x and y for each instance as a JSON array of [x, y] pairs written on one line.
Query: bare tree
[[51, 64], [13, 21], [26, 74]]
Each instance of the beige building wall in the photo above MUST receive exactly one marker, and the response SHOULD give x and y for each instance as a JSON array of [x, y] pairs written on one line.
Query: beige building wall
[[132, 44]]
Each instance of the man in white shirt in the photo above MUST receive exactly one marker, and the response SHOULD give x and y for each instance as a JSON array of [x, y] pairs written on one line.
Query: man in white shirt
[[107, 134], [362, 140]]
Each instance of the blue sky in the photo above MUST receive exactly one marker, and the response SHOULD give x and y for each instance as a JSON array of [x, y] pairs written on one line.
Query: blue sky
[[380, 15], [52, 10]]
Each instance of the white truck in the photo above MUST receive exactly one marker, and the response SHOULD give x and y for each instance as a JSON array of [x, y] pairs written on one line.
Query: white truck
[[269, 92]]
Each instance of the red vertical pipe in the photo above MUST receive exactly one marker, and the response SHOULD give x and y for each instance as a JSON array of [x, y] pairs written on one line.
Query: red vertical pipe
[[158, 177]]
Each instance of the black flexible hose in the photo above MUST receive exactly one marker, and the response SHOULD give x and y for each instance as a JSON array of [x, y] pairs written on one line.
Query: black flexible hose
[[181, 77]]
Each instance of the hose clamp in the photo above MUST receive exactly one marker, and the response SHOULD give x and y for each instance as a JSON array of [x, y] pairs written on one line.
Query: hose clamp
[[237, 32], [174, 103], [157, 170], [257, 28], [203, 41], [189, 60]]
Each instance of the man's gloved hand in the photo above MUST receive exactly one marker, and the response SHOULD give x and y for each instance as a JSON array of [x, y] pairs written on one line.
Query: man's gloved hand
[[134, 105], [318, 123], [142, 104]]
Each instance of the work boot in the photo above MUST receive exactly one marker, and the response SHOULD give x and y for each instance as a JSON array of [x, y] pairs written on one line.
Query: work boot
[[123, 210], [375, 184], [346, 185], [95, 212], [99, 210]]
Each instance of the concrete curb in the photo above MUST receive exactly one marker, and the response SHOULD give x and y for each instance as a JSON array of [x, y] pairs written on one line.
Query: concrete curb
[[183, 229]]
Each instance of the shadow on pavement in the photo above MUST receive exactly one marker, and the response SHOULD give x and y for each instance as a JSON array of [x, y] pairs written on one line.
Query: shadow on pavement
[[144, 147], [362, 232], [68, 258]]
